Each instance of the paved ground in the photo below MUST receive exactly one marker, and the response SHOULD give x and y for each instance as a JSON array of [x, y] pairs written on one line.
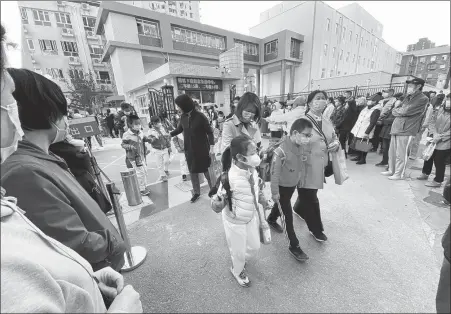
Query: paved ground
[[382, 255]]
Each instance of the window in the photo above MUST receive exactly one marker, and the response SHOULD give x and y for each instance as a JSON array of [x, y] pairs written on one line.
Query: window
[[331, 73], [191, 15], [295, 48], [103, 77], [366, 45], [444, 57], [76, 74], [248, 48], [63, 20], [341, 54], [323, 73], [372, 65], [48, 46], [422, 60], [368, 65], [328, 25], [343, 34], [338, 73], [432, 66], [30, 44], [96, 50], [69, 48], [333, 52], [41, 18], [433, 58], [358, 60], [336, 28], [271, 47], [361, 41], [353, 58], [442, 66], [56, 74], [89, 23], [325, 49], [347, 56], [364, 61], [24, 15], [356, 38], [199, 39], [148, 28], [350, 36]]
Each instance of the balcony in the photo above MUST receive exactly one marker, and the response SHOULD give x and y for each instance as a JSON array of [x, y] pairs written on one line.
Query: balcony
[[91, 35], [252, 58], [67, 32], [97, 62], [150, 41], [177, 45], [271, 56]]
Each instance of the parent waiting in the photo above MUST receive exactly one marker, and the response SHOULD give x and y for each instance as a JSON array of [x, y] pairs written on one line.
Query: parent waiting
[[315, 159], [198, 141], [48, 192]]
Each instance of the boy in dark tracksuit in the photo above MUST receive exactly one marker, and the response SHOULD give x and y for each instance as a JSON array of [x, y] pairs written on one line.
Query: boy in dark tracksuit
[[286, 171]]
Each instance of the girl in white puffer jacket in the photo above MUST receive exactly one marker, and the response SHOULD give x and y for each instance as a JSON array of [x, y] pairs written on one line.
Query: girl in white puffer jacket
[[240, 219]]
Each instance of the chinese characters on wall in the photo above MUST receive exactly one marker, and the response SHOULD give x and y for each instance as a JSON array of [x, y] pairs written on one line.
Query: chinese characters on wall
[[198, 84]]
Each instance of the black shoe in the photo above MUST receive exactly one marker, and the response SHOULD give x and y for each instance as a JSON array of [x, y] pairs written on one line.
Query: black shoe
[[355, 159], [361, 162], [184, 177], [320, 237], [195, 198], [275, 226], [298, 254], [381, 164]]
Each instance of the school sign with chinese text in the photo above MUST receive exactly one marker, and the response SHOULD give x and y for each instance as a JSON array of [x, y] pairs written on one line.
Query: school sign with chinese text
[[186, 83]]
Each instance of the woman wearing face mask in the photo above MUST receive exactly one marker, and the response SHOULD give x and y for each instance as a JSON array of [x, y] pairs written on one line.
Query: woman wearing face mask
[[323, 140], [244, 121], [440, 129], [52, 197], [363, 129], [46, 275]]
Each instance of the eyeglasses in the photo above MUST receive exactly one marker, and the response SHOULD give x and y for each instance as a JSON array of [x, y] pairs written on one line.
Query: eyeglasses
[[307, 135]]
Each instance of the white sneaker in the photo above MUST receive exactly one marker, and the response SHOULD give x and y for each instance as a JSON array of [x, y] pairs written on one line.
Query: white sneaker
[[395, 178], [242, 278], [387, 173]]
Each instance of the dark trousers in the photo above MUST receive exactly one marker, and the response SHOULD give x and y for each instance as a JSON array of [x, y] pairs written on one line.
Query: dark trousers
[[342, 137], [307, 206], [196, 183], [285, 202], [110, 131], [442, 299], [439, 159], [361, 155], [385, 147], [350, 150], [376, 139]]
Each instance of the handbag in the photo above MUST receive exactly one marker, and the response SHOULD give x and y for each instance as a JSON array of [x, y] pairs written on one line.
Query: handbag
[[328, 170], [264, 231], [428, 151], [362, 145], [339, 165]]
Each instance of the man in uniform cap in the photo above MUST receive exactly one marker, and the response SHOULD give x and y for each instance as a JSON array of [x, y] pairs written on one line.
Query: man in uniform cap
[[409, 117]]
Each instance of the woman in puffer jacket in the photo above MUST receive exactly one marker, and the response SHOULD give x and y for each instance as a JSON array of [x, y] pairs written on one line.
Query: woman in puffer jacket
[[240, 217]]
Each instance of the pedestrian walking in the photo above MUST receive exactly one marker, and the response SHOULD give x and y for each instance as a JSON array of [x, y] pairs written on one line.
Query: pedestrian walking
[[52, 197], [160, 140], [323, 141], [133, 142], [286, 171], [409, 116], [244, 121], [363, 129], [288, 118], [240, 217], [440, 129], [276, 128], [110, 122], [198, 142]]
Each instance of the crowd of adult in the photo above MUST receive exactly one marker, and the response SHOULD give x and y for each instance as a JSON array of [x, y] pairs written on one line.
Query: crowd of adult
[[60, 252]]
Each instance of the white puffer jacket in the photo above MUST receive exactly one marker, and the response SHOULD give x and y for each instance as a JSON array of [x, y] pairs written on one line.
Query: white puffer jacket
[[242, 199]]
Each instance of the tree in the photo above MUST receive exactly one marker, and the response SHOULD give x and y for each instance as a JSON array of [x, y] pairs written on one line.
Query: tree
[[84, 91]]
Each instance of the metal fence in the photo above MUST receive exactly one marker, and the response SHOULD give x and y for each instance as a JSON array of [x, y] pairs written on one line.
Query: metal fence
[[357, 91]]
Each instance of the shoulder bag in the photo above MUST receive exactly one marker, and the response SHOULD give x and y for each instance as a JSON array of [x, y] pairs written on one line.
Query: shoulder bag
[[328, 170]]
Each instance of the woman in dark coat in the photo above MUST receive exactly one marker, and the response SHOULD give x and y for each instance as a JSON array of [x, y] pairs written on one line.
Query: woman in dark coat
[[198, 141]]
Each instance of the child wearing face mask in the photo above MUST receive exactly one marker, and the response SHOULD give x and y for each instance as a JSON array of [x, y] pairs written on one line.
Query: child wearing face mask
[[160, 140], [133, 142], [240, 217], [287, 167]]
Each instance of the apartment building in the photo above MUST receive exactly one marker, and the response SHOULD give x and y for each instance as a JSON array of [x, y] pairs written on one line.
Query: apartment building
[[423, 43], [334, 44], [185, 9], [59, 40], [203, 61], [432, 65]]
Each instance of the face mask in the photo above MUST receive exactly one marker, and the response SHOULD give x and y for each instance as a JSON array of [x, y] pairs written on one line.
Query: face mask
[[448, 104], [127, 113], [252, 161], [13, 115], [385, 95], [136, 128], [158, 125], [320, 104], [410, 90], [60, 133]]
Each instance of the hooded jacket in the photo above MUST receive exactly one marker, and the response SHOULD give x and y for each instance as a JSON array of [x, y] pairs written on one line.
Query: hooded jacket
[[58, 205]]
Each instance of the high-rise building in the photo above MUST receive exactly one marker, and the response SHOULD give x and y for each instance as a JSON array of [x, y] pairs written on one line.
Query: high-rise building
[[432, 65], [423, 43], [185, 9], [59, 40]]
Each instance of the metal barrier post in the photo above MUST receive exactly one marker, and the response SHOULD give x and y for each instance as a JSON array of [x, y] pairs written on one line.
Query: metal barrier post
[[134, 256], [131, 187]]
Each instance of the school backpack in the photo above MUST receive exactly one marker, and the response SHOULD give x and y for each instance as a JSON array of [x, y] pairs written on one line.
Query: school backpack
[[266, 157]]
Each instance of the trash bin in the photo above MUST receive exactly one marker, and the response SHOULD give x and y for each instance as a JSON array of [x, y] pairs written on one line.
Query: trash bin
[[131, 187]]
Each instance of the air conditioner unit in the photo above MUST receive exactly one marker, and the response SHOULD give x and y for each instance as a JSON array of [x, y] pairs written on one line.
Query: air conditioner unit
[[91, 34], [97, 61], [74, 60], [33, 60], [85, 6], [25, 30], [68, 32]]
